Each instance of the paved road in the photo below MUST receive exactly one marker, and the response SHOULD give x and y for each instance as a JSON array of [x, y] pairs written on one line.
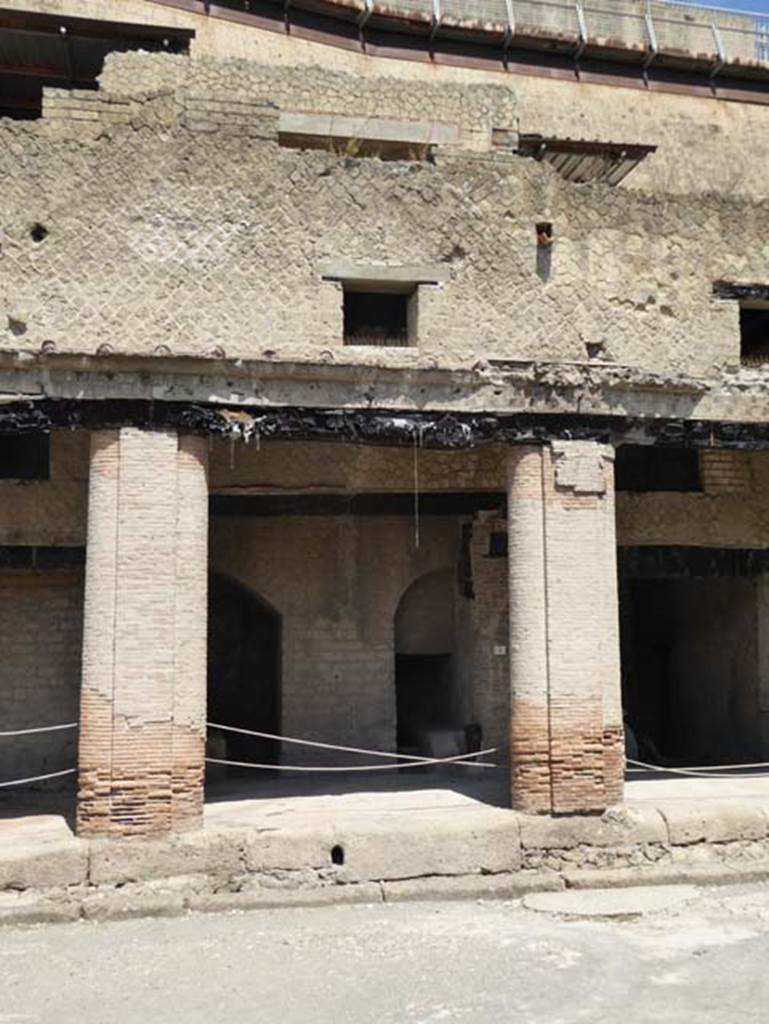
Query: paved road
[[703, 960]]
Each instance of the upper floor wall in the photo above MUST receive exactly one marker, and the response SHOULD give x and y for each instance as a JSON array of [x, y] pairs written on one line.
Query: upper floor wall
[[174, 224], [705, 141]]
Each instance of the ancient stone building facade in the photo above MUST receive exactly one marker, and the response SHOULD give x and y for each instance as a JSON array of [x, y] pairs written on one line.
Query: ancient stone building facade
[[380, 380]]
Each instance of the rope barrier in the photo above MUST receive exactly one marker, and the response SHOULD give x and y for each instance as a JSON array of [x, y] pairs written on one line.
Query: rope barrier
[[42, 728], [704, 773], [333, 746], [406, 760], [31, 732], [460, 759], [714, 767], [38, 778]]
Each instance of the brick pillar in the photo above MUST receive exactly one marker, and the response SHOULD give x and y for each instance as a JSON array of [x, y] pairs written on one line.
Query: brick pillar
[[529, 703], [566, 717], [142, 730]]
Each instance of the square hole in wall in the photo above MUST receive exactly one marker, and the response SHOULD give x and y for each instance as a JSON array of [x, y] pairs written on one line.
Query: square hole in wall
[[754, 333], [380, 316], [642, 468], [24, 457]]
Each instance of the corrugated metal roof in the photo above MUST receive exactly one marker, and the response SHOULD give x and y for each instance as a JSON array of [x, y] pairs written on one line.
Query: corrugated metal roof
[[582, 161]]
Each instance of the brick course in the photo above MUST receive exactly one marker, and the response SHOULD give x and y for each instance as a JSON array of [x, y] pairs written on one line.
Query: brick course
[[41, 634]]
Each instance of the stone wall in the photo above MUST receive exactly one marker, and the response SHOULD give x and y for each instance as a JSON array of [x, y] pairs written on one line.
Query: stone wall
[[330, 468], [192, 238], [698, 135], [482, 652], [49, 512], [41, 616], [474, 108], [336, 583], [731, 511]]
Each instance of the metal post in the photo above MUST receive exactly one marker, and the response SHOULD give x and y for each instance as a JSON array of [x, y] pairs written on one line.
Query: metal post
[[64, 36], [720, 50], [651, 33], [436, 20], [510, 29], [368, 10], [581, 28]]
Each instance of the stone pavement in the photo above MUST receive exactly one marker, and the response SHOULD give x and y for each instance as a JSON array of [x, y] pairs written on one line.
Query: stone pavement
[[699, 955]]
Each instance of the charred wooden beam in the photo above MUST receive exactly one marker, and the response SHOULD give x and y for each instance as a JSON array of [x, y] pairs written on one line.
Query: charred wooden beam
[[437, 430], [741, 292]]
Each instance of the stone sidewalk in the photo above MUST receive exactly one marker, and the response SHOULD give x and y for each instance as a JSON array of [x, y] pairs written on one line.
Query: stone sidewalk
[[285, 843]]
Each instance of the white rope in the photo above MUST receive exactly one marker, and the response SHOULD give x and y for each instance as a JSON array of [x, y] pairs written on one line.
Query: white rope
[[43, 728], [461, 759], [715, 767], [38, 778], [703, 773], [332, 746]]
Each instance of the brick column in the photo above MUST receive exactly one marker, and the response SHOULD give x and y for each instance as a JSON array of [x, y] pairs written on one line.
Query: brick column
[[566, 716], [142, 730], [531, 783]]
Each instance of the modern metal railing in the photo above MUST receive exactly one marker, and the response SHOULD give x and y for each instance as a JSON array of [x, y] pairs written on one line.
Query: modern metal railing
[[677, 28]]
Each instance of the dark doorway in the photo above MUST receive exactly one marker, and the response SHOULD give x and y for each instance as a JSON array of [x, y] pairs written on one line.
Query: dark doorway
[[690, 669], [244, 640], [428, 692], [423, 694]]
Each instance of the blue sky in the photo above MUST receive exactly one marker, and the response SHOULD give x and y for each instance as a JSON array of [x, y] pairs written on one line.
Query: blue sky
[[759, 6]]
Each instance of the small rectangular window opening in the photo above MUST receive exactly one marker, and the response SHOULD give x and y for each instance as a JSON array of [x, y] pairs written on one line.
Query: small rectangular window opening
[[754, 333], [24, 457], [753, 302], [383, 317], [642, 468]]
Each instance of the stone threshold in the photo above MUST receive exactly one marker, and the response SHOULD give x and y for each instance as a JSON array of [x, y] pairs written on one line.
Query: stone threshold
[[452, 852]]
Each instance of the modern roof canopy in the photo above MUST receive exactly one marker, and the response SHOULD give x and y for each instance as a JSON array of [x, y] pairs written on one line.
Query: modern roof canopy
[[654, 38]]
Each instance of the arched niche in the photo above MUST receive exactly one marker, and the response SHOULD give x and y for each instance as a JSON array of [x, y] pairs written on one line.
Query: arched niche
[[424, 618], [424, 670]]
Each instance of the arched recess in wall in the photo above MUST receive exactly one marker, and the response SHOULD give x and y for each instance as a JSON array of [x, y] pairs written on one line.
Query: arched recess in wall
[[244, 671], [428, 704]]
